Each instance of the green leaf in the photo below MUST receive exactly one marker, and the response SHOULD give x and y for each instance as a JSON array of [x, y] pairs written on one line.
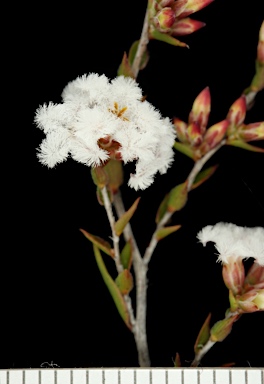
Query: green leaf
[[99, 242], [132, 54], [177, 197], [124, 282], [99, 177], [177, 361], [185, 149], [126, 255], [163, 232], [162, 209], [112, 287], [244, 145], [122, 222], [203, 335], [157, 35], [125, 68], [203, 176], [222, 328]]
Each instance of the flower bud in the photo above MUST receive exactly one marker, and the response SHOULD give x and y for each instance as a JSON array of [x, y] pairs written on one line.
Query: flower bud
[[201, 109], [213, 136], [234, 274], [250, 132], [186, 27], [164, 19], [254, 277], [237, 111], [194, 134], [181, 129], [251, 301]]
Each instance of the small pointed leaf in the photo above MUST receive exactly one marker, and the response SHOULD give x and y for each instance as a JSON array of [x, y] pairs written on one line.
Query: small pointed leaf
[[122, 222], [126, 255], [203, 176], [99, 242], [203, 335], [125, 68], [244, 145], [162, 209], [155, 34], [177, 197], [163, 232], [185, 149], [112, 287], [177, 361], [124, 282]]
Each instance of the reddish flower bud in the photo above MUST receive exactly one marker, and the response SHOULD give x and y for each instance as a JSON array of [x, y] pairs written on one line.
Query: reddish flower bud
[[254, 277], [260, 49], [214, 135], [185, 8], [186, 27], [181, 129], [164, 19], [194, 134], [237, 111], [251, 301], [234, 275], [254, 131], [201, 109]]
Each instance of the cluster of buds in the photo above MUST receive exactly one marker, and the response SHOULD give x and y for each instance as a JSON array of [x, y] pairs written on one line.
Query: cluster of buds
[[239, 133], [194, 139], [168, 18], [246, 294]]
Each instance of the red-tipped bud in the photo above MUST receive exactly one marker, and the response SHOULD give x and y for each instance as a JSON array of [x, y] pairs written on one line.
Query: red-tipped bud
[[254, 277], [260, 49], [254, 131], [181, 130], [251, 301], [164, 19], [234, 275], [185, 8], [214, 135], [237, 112], [194, 134], [201, 109], [186, 27]]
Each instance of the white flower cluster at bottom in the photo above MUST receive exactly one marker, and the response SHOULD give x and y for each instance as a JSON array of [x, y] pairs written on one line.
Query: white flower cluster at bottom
[[95, 109]]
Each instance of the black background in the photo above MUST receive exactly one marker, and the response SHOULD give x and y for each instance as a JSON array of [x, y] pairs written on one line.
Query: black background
[[55, 306]]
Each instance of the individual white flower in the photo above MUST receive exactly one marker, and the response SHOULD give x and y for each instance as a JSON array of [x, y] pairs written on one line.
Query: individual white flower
[[232, 241], [101, 119]]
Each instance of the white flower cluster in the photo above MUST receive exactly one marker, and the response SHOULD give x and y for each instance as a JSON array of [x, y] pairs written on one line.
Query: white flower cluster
[[95, 108], [234, 241]]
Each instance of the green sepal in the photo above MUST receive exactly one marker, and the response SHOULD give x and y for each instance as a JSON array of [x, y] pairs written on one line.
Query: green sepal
[[177, 197], [157, 35], [99, 242], [115, 174], [203, 176], [125, 68], [257, 83], [126, 255], [222, 328], [162, 209], [122, 222], [163, 232], [185, 149], [112, 287], [124, 282], [132, 55], [203, 335], [99, 177], [232, 301], [245, 145], [177, 361]]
